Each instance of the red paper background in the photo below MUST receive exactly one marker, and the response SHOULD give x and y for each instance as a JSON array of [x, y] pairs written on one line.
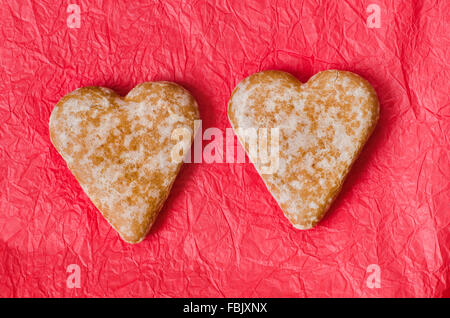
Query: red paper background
[[220, 232]]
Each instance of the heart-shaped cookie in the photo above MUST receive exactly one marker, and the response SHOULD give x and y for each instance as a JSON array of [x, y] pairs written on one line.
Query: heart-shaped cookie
[[120, 148], [322, 127]]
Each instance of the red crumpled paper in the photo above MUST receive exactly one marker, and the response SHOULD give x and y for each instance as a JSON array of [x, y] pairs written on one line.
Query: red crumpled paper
[[220, 232]]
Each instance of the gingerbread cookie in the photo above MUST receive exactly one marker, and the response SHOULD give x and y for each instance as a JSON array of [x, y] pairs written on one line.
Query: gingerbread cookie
[[119, 148], [323, 125]]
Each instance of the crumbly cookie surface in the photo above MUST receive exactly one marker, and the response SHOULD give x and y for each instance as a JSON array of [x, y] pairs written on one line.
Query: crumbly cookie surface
[[119, 148], [323, 126]]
